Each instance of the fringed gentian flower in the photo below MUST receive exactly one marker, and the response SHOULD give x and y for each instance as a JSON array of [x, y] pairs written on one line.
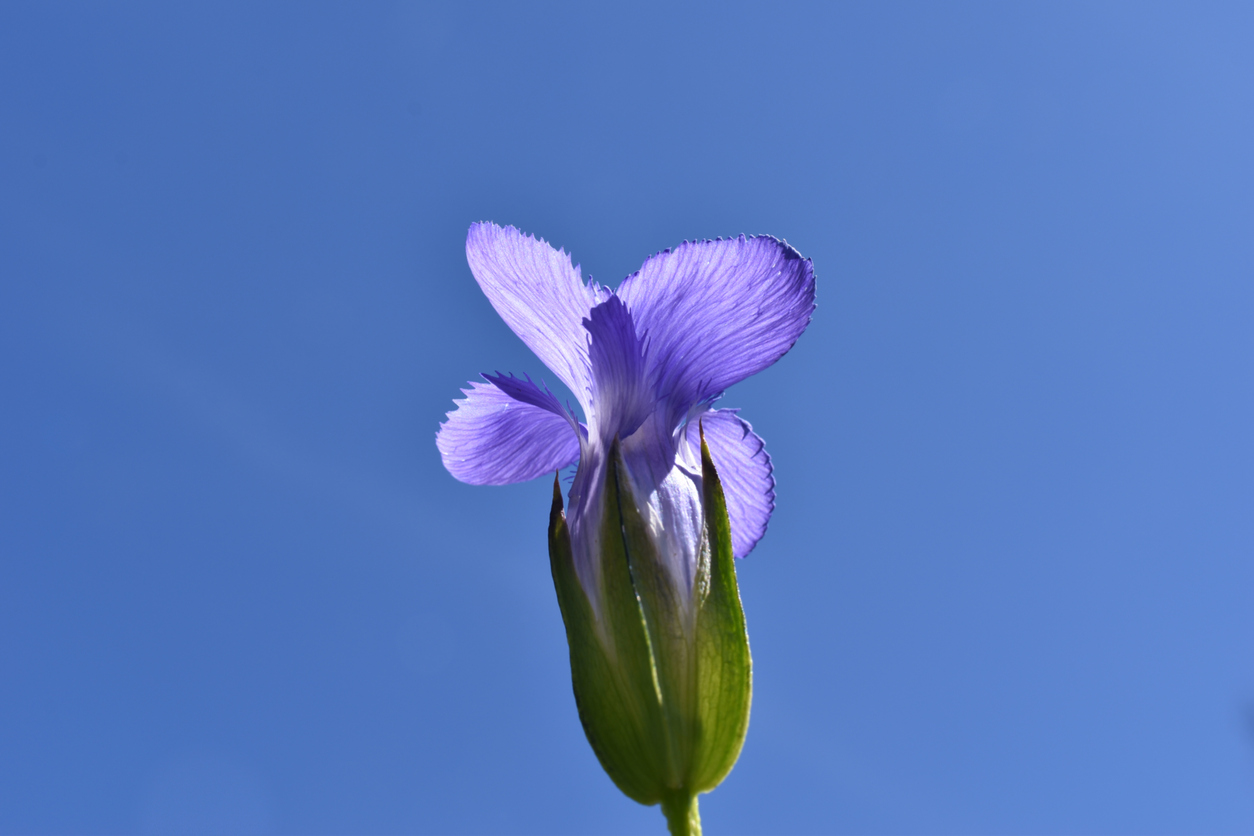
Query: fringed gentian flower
[[667, 489]]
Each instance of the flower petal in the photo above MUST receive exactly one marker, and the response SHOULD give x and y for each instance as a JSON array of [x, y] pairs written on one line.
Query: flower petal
[[744, 468], [495, 439], [715, 312], [539, 294], [525, 390], [621, 397]]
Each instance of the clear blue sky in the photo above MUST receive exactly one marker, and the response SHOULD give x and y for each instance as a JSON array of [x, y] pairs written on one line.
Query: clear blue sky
[[1008, 585]]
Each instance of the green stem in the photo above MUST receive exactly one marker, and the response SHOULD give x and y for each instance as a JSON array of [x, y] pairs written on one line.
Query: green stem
[[682, 818]]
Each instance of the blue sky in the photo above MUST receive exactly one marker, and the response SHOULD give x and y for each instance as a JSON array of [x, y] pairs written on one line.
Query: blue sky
[[1007, 584]]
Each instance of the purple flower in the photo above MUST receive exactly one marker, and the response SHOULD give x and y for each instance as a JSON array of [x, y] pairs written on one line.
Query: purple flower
[[646, 363]]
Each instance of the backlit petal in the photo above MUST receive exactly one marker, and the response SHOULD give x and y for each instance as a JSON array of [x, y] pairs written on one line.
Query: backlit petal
[[495, 439], [621, 397], [714, 312], [744, 468], [539, 294]]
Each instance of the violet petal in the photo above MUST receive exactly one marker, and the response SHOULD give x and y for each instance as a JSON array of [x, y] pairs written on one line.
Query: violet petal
[[714, 312], [539, 294], [494, 439], [621, 396], [744, 468]]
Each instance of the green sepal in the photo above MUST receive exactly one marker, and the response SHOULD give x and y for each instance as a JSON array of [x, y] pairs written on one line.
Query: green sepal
[[724, 666], [611, 663]]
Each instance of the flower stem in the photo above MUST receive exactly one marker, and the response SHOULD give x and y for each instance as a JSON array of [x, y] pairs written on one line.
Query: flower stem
[[682, 818]]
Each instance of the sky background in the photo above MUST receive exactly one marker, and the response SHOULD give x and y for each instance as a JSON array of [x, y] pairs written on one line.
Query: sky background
[[1008, 584]]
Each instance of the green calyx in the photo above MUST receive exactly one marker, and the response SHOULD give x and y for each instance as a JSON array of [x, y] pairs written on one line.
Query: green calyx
[[662, 679]]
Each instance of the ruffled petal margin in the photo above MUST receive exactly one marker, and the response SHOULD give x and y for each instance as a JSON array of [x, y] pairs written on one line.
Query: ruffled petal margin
[[493, 438], [539, 294], [744, 468], [715, 312]]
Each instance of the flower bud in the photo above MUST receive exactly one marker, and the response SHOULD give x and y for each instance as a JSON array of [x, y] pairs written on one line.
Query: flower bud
[[662, 676]]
